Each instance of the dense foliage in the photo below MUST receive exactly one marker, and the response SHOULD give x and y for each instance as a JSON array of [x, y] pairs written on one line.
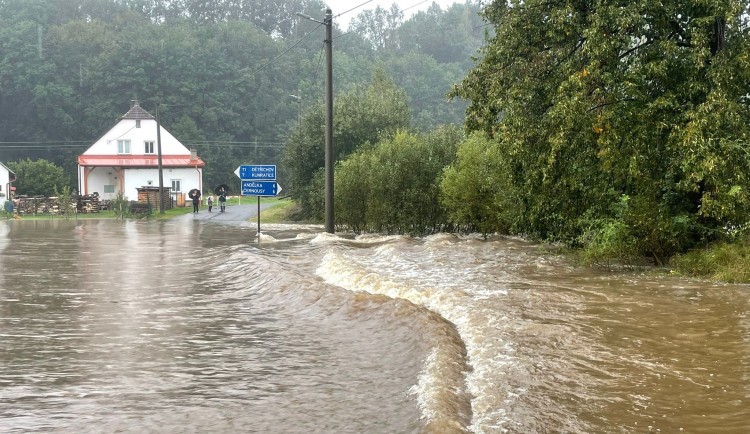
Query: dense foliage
[[38, 178], [618, 122], [394, 186], [222, 72], [363, 114]]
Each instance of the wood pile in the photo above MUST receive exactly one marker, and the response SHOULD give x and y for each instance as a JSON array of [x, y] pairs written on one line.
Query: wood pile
[[84, 204], [88, 204], [140, 208], [147, 194], [34, 205]]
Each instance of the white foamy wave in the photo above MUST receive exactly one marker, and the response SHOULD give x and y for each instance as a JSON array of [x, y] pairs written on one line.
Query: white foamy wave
[[438, 384], [293, 227], [325, 237], [441, 238], [376, 238], [264, 238], [479, 327]]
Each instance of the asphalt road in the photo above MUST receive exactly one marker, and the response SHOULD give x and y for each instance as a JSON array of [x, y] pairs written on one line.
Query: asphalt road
[[234, 214]]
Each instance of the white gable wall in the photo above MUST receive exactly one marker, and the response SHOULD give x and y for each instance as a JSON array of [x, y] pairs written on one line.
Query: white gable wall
[[128, 180], [126, 130], [133, 179], [4, 185]]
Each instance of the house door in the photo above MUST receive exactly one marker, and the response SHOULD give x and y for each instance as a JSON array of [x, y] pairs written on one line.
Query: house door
[[176, 189]]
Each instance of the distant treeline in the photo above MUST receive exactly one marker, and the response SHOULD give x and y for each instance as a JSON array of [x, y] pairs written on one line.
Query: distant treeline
[[223, 76]]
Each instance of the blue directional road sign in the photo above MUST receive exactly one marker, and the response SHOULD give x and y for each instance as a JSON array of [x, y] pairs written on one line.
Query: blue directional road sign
[[260, 188], [259, 172]]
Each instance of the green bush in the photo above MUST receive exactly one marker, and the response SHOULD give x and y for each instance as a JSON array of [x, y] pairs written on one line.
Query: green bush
[[606, 243], [394, 187], [120, 206], [476, 190]]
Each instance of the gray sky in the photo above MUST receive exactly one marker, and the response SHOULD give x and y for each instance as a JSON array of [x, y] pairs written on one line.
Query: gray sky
[[341, 6]]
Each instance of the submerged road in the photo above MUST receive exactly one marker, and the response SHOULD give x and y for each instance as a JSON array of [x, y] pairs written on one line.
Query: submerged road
[[234, 214]]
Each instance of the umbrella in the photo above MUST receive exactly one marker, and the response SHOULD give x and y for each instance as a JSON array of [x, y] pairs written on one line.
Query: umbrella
[[221, 187], [194, 193]]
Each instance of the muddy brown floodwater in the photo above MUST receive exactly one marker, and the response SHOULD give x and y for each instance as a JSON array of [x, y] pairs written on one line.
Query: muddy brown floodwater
[[194, 326]]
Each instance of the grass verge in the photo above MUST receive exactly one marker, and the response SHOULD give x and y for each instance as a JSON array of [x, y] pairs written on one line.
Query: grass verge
[[725, 262]]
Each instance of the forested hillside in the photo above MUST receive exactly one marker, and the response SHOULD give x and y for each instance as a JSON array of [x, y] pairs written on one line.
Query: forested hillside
[[223, 76]]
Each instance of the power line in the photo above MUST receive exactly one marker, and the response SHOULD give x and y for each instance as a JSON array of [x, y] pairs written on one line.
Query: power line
[[370, 1], [415, 5], [285, 51], [355, 7]]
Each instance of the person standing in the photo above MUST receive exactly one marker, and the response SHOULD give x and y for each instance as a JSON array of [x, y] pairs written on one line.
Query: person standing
[[223, 199], [196, 201], [210, 203]]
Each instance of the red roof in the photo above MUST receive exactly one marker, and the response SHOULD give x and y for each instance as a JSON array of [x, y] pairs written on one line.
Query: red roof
[[139, 161]]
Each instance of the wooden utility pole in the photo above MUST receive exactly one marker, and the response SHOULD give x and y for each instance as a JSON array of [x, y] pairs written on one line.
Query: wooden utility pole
[[161, 174], [329, 121], [328, 22]]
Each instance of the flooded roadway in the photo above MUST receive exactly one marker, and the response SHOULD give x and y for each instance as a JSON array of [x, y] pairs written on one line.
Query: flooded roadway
[[191, 326]]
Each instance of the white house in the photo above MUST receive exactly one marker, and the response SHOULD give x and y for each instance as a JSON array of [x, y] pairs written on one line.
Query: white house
[[126, 158], [6, 178]]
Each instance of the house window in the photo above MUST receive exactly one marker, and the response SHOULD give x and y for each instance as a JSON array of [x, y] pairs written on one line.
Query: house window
[[137, 123], [149, 147], [109, 188], [123, 146], [176, 185]]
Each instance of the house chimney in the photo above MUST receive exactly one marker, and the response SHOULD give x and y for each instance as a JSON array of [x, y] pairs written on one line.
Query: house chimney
[[193, 155], [133, 103]]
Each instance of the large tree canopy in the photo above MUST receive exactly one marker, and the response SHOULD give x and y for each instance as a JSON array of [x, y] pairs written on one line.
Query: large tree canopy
[[600, 104]]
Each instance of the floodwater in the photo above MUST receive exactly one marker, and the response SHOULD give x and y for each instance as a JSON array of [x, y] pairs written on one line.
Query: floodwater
[[189, 326]]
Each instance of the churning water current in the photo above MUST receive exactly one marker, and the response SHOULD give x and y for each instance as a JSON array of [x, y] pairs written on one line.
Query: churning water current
[[186, 326]]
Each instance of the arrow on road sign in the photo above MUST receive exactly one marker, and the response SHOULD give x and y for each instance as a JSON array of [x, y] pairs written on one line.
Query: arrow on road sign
[[260, 188], [256, 172]]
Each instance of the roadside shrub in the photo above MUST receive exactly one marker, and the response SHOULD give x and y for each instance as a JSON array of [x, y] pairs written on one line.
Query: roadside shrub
[[723, 261], [606, 243], [65, 201], [120, 206], [394, 187], [476, 190]]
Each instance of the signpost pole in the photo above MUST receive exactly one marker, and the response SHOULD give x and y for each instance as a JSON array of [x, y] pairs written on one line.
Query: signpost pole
[[258, 180]]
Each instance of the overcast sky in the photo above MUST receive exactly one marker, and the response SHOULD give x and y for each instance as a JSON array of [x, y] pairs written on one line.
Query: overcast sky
[[341, 6]]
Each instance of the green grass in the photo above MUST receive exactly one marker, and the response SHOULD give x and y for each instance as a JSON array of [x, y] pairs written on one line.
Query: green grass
[[277, 213], [725, 262]]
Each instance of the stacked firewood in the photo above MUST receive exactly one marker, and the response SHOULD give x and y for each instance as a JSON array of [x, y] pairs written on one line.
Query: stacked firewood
[[51, 205], [88, 203], [35, 205]]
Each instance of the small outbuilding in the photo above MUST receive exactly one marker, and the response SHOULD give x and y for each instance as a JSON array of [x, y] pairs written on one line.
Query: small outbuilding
[[125, 159]]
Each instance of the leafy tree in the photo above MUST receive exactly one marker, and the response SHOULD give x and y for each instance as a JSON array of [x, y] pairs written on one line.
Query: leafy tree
[[38, 177], [362, 115], [428, 82], [449, 36], [476, 189], [593, 101], [378, 26], [394, 186]]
